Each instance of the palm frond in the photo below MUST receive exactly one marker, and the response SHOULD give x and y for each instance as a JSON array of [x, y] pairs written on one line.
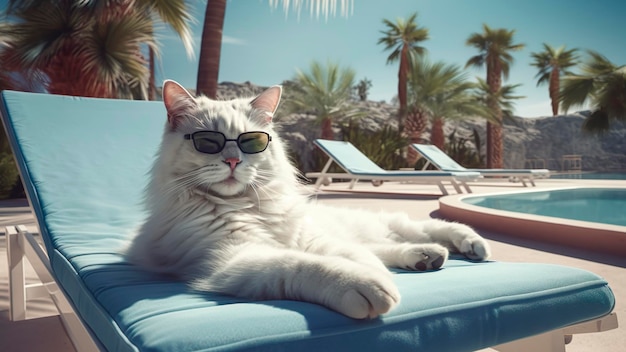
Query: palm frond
[[322, 7], [494, 44], [597, 122], [575, 91], [476, 61], [40, 33], [602, 86], [442, 90], [597, 64], [324, 90], [553, 59], [403, 33], [504, 98], [112, 52], [176, 14]]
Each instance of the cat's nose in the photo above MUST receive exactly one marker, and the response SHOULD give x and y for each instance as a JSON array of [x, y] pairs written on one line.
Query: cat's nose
[[233, 162]]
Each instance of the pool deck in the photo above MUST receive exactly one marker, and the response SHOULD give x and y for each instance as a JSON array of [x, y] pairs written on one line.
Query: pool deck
[[42, 330]]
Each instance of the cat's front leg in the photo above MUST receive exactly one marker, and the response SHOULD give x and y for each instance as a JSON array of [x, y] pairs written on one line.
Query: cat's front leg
[[463, 238], [262, 272], [456, 237]]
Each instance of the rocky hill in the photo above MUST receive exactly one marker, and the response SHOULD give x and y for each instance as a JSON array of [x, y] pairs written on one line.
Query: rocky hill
[[528, 142]]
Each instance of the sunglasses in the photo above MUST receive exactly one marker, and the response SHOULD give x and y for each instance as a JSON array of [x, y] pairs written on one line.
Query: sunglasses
[[213, 142]]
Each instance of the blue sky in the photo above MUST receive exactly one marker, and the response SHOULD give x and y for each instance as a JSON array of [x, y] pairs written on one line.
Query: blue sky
[[266, 46]]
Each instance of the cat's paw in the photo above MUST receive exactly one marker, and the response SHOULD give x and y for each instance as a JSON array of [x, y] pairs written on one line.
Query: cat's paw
[[367, 295], [468, 242], [424, 257], [369, 302], [475, 248]]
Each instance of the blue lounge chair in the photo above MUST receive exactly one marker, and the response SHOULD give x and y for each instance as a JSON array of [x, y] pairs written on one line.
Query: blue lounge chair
[[436, 157], [357, 167], [84, 165]]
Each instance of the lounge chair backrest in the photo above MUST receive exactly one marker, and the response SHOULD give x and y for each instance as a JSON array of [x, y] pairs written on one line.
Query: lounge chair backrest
[[83, 159], [438, 158], [348, 156]]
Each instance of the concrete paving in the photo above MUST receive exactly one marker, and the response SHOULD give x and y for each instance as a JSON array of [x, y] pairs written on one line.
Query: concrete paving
[[42, 330]]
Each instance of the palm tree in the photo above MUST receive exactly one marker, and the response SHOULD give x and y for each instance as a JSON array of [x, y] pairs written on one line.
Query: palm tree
[[439, 91], [504, 98], [601, 85], [90, 48], [403, 38], [325, 92], [211, 44], [552, 63], [362, 88], [455, 102], [494, 46]]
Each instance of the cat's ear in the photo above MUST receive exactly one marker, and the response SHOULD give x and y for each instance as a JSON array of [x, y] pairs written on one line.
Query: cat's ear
[[268, 102], [178, 102]]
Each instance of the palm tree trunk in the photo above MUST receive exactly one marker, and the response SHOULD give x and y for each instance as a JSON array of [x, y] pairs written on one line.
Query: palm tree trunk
[[402, 90], [327, 129], [151, 83], [554, 90], [415, 124], [488, 145], [437, 137], [210, 48], [494, 130], [497, 146]]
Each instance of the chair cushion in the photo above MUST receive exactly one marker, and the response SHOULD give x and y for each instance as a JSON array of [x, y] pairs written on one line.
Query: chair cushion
[[84, 163]]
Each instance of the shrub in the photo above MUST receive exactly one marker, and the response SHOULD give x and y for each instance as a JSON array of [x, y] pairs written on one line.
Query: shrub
[[384, 147], [465, 150], [8, 175]]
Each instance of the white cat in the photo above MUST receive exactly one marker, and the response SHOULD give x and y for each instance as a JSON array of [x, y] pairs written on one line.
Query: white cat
[[227, 213]]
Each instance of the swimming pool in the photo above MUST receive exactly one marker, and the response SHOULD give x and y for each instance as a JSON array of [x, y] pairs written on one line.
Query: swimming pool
[[591, 176], [603, 205], [588, 218]]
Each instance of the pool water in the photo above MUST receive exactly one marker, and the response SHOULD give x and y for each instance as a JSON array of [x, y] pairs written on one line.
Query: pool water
[[592, 176], [602, 205]]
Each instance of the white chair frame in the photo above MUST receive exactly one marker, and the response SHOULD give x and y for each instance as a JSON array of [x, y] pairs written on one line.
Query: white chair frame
[[22, 244]]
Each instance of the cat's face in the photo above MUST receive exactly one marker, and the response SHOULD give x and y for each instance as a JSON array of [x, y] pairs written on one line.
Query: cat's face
[[221, 147]]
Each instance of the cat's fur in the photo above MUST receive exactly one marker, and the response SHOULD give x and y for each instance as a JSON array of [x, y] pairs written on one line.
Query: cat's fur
[[249, 230]]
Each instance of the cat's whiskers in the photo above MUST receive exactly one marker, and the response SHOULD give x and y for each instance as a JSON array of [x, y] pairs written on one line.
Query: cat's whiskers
[[258, 197], [187, 181], [260, 187], [264, 186]]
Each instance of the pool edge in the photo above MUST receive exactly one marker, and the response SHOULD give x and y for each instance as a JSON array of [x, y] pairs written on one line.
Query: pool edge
[[601, 238]]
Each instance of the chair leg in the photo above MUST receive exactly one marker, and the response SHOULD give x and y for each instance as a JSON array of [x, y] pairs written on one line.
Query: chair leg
[[555, 340], [551, 341], [443, 189], [17, 284], [22, 245], [456, 186], [321, 177], [467, 187]]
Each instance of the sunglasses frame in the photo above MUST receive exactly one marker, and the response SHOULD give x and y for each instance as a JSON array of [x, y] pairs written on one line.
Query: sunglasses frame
[[191, 136]]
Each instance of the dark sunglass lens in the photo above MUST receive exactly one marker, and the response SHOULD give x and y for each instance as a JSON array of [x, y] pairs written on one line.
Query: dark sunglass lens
[[253, 142], [209, 142]]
